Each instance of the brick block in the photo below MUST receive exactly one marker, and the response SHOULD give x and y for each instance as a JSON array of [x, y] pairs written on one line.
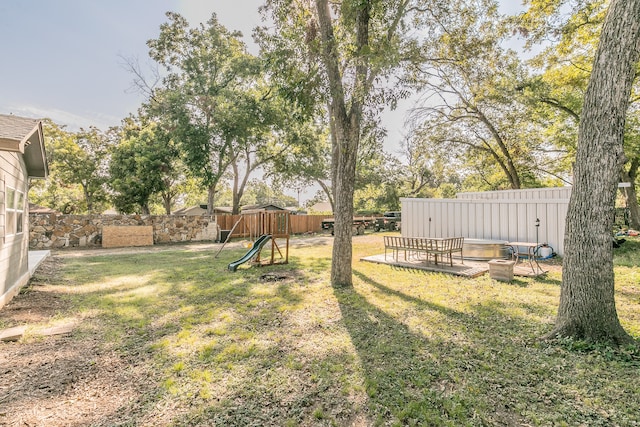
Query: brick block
[[501, 269], [124, 236]]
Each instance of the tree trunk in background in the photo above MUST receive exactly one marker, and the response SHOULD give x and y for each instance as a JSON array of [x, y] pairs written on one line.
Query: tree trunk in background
[[235, 197], [587, 305], [211, 197], [166, 203], [328, 192], [88, 199], [631, 196]]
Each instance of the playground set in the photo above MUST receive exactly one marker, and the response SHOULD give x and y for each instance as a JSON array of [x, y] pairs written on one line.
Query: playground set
[[264, 228]]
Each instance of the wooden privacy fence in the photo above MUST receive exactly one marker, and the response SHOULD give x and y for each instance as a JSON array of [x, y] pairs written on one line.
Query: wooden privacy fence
[[510, 215], [300, 224]]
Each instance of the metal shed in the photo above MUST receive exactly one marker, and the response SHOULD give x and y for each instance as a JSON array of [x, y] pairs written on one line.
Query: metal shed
[[509, 215]]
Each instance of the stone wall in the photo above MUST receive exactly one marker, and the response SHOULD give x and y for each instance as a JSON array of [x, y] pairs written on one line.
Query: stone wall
[[50, 231]]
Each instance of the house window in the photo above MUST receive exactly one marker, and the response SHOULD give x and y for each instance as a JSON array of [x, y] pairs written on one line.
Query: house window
[[14, 211]]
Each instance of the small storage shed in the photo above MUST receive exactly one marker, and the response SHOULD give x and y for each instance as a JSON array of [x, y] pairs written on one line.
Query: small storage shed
[[198, 210], [22, 157], [531, 215], [263, 207]]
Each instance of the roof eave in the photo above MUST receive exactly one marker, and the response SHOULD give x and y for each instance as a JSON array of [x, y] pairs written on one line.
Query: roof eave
[[11, 145], [35, 156]]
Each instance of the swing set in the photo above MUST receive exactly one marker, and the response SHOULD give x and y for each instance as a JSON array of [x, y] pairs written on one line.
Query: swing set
[[263, 228]]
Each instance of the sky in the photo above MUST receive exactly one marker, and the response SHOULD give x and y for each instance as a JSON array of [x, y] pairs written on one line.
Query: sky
[[65, 59]]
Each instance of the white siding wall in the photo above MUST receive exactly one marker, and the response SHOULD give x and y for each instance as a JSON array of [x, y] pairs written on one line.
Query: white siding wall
[[511, 219], [2, 206], [14, 255]]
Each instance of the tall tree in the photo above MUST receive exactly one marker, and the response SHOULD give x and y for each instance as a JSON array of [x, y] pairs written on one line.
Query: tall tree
[[144, 163], [216, 103], [345, 121], [347, 49], [566, 65], [57, 192], [80, 158], [206, 67], [258, 121], [471, 106], [587, 303]]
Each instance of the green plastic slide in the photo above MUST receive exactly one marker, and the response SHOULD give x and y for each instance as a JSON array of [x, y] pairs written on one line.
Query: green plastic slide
[[255, 250]]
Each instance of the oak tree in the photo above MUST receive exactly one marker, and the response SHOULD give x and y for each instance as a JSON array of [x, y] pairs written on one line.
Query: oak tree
[[587, 303], [344, 52]]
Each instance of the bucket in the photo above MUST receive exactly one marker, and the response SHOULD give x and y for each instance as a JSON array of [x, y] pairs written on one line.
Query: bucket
[[544, 251]]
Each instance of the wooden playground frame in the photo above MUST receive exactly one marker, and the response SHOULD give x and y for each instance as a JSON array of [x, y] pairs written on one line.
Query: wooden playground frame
[[277, 224]]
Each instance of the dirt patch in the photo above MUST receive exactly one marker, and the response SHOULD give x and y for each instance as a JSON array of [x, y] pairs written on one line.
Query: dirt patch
[[38, 302], [278, 277], [63, 380]]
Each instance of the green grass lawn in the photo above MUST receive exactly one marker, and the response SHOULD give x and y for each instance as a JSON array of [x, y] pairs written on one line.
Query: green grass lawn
[[403, 347]]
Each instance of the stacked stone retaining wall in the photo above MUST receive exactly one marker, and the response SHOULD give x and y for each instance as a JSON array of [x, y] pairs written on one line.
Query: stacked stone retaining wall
[[50, 231]]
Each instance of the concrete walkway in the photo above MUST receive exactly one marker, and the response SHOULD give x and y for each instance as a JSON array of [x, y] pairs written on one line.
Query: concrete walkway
[[35, 258]]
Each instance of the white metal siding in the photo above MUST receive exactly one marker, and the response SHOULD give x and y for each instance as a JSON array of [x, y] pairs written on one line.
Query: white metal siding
[[511, 219], [529, 194]]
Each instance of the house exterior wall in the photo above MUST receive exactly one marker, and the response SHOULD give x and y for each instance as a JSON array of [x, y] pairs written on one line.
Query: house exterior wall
[[14, 256], [511, 218]]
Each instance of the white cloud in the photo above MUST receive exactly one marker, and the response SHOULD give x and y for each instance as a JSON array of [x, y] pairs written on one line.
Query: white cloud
[[72, 120]]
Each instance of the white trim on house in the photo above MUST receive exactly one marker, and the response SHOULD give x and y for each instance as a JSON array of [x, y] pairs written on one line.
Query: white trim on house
[[15, 211]]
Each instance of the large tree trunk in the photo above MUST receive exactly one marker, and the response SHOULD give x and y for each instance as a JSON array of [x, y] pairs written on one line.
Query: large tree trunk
[[341, 271], [587, 304], [345, 129]]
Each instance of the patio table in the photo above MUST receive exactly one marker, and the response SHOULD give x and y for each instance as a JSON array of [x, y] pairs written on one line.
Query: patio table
[[528, 249]]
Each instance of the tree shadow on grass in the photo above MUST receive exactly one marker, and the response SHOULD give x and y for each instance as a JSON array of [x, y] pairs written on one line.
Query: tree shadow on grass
[[548, 280], [406, 381], [199, 317], [453, 377], [411, 299], [519, 283]]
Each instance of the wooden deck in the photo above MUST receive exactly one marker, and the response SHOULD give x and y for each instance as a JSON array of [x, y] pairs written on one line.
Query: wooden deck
[[470, 268]]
